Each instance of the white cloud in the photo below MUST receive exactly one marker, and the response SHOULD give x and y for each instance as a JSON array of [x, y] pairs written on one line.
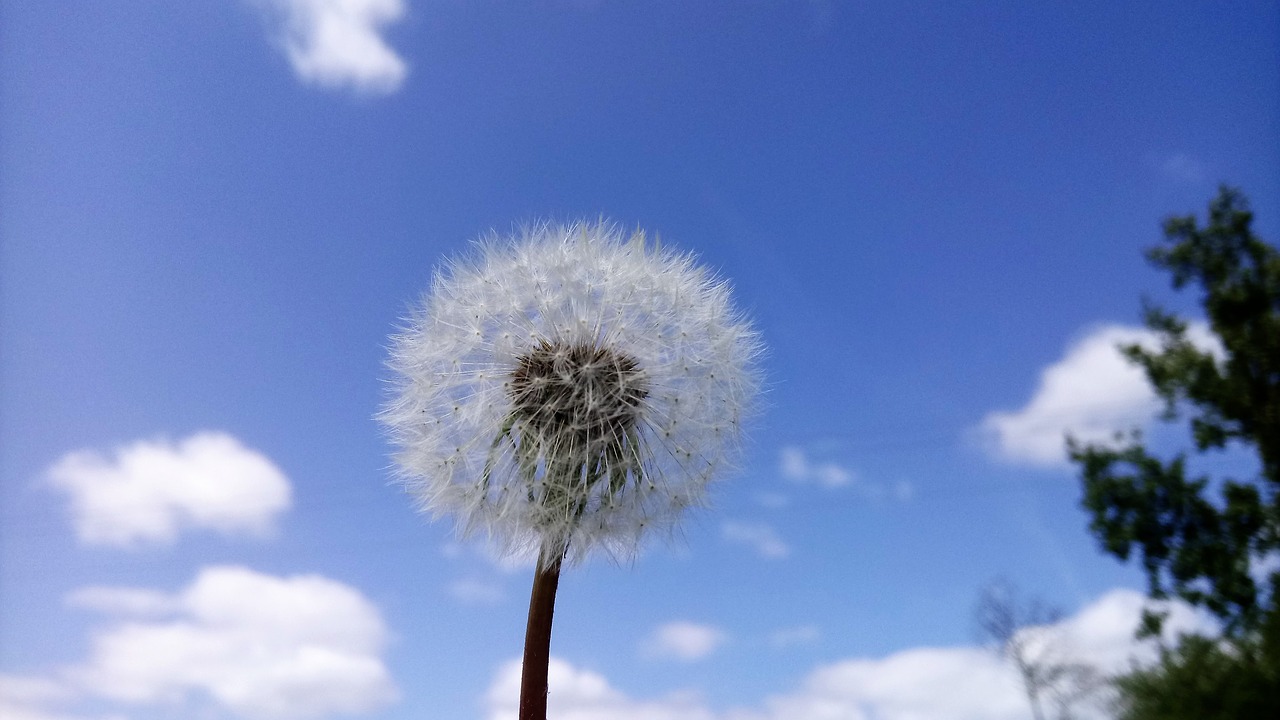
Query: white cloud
[[936, 683], [1092, 393], [32, 698], [795, 466], [684, 641], [339, 43], [1102, 633], [948, 683], [760, 537], [968, 683], [831, 475], [148, 491], [27, 689], [259, 646], [577, 694], [136, 602]]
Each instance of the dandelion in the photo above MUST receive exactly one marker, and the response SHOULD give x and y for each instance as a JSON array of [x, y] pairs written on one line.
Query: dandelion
[[569, 390]]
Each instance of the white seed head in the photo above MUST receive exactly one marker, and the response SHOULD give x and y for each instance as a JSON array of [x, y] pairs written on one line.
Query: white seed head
[[570, 389]]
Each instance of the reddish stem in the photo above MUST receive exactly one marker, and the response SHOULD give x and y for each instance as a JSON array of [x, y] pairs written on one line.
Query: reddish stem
[[537, 641]]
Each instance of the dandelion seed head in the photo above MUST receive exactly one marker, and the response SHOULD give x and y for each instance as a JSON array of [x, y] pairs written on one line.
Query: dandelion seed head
[[570, 389]]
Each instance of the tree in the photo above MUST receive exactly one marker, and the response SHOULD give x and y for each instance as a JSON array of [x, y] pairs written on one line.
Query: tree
[[1202, 539], [1207, 679], [1024, 633], [1203, 551]]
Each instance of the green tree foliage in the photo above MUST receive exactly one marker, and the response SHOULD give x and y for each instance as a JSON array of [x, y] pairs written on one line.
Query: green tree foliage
[[1192, 545], [1207, 679], [1199, 538]]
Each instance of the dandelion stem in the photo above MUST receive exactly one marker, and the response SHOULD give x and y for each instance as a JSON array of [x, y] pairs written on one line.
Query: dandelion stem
[[537, 638]]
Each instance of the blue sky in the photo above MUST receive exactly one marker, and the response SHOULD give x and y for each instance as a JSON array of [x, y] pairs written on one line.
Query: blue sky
[[213, 213]]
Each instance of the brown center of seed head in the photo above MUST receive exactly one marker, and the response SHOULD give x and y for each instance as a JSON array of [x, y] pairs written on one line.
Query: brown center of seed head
[[577, 392]]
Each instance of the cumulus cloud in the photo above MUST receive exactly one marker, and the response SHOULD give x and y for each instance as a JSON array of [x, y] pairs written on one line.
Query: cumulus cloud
[[339, 43], [1091, 393], [937, 683], [795, 466], [683, 641], [578, 694], [33, 698], [758, 536], [148, 491], [258, 646], [1102, 632], [940, 683], [968, 683]]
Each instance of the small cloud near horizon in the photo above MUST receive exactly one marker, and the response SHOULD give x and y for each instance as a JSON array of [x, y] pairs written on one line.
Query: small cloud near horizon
[[302, 647]]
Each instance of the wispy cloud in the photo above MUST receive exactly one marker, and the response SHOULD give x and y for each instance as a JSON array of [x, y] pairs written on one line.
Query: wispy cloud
[[338, 43], [942, 683], [761, 538], [149, 491], [794, 464], [124, 601], [683, 641], [507, 562], [1092, 392], [476, 591], [903, 491], [1183, 168]]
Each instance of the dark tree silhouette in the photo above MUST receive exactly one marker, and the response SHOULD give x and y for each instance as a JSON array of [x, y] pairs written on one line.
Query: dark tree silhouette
[[1205, 540]]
